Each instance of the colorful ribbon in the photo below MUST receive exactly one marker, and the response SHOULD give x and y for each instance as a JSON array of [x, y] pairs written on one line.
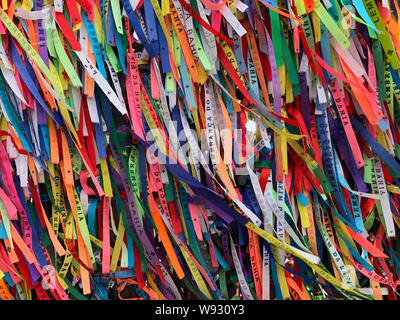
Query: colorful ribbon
[[198, 149]]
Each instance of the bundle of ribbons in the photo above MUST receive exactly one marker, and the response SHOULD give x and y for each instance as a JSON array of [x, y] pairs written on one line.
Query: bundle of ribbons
[[199, 149]]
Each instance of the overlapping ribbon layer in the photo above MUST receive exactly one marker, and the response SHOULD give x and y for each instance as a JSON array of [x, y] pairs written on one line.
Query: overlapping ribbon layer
[[199, 149]]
